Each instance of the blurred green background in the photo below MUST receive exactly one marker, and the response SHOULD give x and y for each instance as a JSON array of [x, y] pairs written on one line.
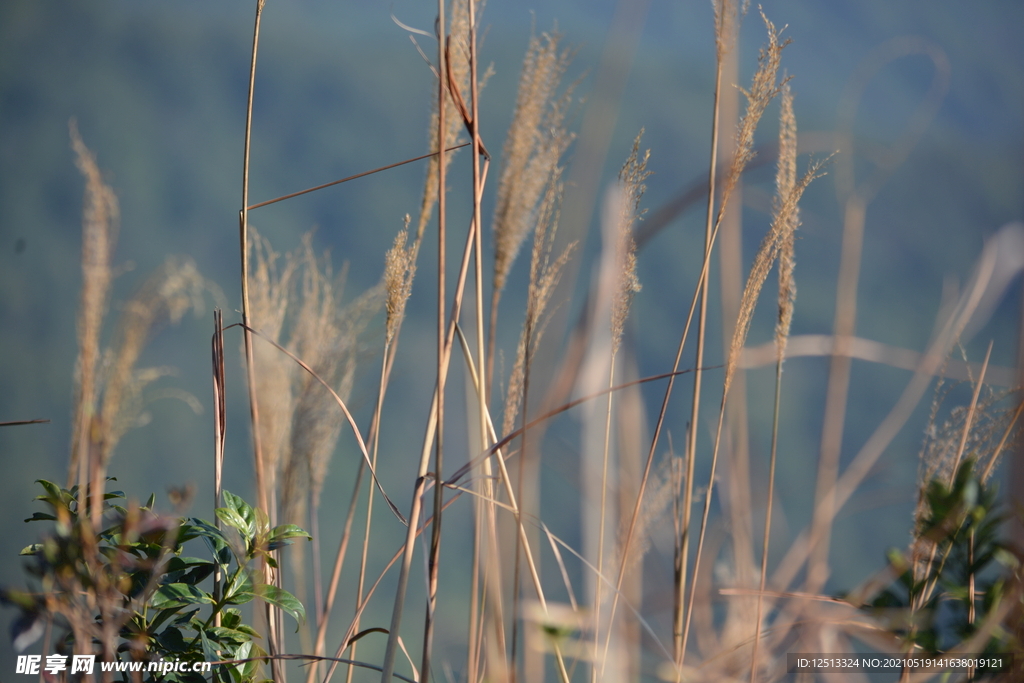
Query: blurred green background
[[158, 90]]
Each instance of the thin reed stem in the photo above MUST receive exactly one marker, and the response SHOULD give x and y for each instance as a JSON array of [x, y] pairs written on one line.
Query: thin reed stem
[[767, 520], [479, 301], [220, 421], [691, 448], [273, 636], [601, 525], [391, 652], [435, 533], [361, 583]]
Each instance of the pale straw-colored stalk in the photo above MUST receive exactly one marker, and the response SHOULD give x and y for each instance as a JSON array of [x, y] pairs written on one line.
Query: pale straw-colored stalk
[[399, 272], [545, 271], [624, 211], [781, 228], [481, 407], [785, 180]]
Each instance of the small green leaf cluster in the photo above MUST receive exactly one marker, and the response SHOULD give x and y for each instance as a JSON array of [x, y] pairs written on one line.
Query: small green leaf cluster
[[129, 590], [956, 572]]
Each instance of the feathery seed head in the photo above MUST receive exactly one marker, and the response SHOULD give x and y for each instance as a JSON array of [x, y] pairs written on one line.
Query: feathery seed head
[[536, 142], [785, 180], [399, 270], [631, 179]]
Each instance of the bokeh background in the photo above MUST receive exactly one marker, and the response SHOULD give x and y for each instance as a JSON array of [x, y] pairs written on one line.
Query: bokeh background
[[158, 92]]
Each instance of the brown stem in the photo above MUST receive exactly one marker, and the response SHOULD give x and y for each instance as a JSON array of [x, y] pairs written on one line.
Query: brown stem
[[261, 492]]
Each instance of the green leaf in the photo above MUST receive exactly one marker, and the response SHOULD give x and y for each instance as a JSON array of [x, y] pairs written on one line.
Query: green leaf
[[239, 589], [234, 520], [171, 640], [244, 510], [214, 538], [231, 618], [229, 637], [209, 651], [179, 595], [53, 492], [283, 599], [243, 672], [285, 534], [41, 517]]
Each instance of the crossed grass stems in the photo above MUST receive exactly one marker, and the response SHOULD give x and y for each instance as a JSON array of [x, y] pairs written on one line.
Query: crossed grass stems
[[296, 384]]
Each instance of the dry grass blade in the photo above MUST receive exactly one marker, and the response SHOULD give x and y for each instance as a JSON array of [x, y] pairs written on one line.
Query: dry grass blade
[[399, 271], [970, 414], [274, 635], [353, 177]]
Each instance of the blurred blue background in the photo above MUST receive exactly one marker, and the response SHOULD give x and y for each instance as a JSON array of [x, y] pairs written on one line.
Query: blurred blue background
[[158, 91]]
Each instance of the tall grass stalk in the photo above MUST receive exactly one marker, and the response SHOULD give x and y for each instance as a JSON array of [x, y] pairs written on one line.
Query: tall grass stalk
[[785, 180], [762, 91], [618, 279], [272, 614], [482, 394]]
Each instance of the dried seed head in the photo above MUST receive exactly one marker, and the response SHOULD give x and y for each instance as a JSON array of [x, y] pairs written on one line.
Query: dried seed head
[[458, 56], [171, 291], [399, 270], [764, 87], [545, 272], [785, 180], [536, 142], [631, 179], [99, 235], [781, 229]]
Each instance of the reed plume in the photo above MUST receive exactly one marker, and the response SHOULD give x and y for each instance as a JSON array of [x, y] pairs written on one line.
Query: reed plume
[[536, 141], [458, 72], [784, 222], [631, 180], [100, 219], [617, 284], [166, 296], [545, 270], [785, 181], [271, 280], [108, 385]]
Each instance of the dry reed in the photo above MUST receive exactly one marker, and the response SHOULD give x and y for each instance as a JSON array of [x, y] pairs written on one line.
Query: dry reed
[[99, 235]]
